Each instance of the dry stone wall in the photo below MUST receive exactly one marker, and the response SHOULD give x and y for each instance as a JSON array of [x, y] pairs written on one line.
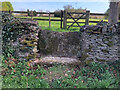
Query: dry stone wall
[[26, 43], [32, 42], [65, 44], [29, 41], [83, 46], [100, 47]]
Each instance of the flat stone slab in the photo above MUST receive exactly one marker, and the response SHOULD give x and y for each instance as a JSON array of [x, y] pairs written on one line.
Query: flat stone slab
[[30, 22], [55, 60]]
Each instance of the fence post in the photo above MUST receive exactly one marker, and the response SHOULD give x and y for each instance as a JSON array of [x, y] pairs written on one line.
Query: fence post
[[65, 19], [31, 15], [49, 21], [61, 19], [87, 18]]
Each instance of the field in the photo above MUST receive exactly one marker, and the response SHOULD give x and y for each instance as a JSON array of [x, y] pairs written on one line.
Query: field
[[55, 25]]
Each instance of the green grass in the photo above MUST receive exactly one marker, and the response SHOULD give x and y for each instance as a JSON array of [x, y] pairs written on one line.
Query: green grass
[[55, 25], [92, 75]]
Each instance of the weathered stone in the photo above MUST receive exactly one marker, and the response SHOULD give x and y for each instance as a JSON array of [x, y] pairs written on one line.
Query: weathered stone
[[104, 46], [91, 28], [55, 60], [71, 46], [65, 44], [27, 40]]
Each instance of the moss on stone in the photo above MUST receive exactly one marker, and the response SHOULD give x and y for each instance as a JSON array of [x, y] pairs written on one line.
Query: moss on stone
[[24, 49], [101, 45], [90, 46], [52, 45], [119, 51], [89, 61], [105, 51], [30, 56], [28, 42], [73, 40], [74, 52], [84, 56], [87, 50], [100, 60], [110, 43], [106, 39], [31, 45], [41, 43], [34, 40]]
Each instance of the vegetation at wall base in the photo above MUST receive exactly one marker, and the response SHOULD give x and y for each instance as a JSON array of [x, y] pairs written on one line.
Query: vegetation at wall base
[[18, 74]]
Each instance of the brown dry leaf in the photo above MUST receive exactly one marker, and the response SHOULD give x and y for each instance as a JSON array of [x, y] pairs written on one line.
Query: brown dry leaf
[[6, 61], [3, 72], [36, 61]]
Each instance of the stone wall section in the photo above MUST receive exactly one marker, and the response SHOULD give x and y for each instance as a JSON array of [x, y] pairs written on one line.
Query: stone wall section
[[27, 40], [100, 47], [33, 43], [84, 46], [63, 44]]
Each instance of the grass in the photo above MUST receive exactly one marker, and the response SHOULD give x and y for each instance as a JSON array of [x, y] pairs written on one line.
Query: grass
[[92, 75], [20, 74], [55, 25]]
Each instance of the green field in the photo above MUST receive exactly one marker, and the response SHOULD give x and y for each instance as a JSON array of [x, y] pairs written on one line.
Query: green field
[[55, 25]]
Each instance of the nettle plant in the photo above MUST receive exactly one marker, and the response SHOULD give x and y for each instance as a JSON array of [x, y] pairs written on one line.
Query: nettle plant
[[10, 31]]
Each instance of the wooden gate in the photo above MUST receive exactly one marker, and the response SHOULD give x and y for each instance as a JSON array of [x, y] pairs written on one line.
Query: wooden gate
[[69, 15]]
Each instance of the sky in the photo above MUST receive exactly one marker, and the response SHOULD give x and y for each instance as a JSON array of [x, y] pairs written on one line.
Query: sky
[[95, 6], [59, 0]]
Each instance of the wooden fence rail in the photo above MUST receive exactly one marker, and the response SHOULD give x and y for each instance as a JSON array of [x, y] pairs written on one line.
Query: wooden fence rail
[[63, 17]]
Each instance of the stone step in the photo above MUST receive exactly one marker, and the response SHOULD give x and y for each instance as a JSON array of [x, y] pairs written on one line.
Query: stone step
[[55, 60]]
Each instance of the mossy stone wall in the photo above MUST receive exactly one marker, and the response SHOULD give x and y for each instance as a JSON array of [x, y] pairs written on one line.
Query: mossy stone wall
[[84, 46], [64, 44]]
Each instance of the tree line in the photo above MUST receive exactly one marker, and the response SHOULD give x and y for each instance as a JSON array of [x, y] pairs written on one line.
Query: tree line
[[68, 8]]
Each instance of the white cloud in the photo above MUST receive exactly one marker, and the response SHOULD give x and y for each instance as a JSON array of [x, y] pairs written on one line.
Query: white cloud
[[57, 0]]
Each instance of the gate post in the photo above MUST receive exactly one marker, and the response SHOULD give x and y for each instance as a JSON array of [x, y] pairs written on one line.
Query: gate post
[[113, 12], [87, 18], [49, 21], [61, 19], [65, 19]]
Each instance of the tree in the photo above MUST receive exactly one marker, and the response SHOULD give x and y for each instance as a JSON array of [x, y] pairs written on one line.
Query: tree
[[68, 8], [4, 7], [7, 6], [72, 9], [28, 11], [34, 13], [57, 13]]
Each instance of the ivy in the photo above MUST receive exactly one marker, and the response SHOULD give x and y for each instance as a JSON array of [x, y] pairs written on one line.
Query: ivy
[[10, 31]]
